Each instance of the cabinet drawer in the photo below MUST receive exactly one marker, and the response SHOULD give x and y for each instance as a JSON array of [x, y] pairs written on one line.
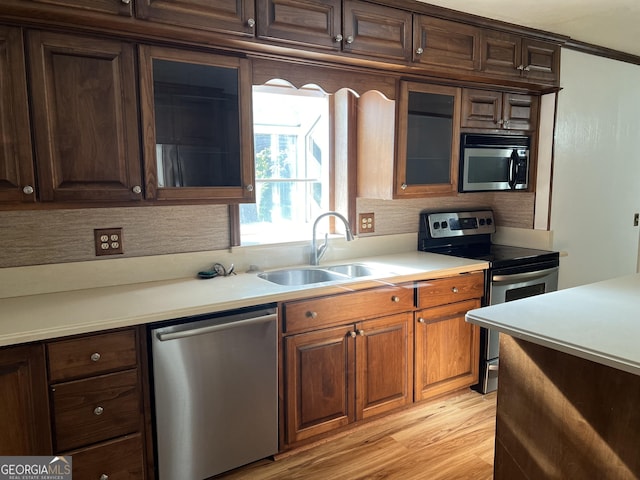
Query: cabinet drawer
[[348, 307], [120, 459], [96, 409], [91, 355], [448, 290]]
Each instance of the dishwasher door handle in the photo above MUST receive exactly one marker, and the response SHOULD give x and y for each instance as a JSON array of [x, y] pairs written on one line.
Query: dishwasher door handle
[[215, 328]]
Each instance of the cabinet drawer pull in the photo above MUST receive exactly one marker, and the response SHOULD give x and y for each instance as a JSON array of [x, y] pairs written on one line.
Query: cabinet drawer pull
[[350, 39], [338, 38], [95, 357], [421, 320], [352, 334], [137, 189], [419, 51], [361, 333], [104, 476], [98, 410], [311, 314], [126, 2], [395, 299], [454, 289], [251, 23], [27, 190]]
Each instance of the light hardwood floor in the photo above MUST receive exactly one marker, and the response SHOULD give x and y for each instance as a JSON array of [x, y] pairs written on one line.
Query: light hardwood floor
[[441, 440]]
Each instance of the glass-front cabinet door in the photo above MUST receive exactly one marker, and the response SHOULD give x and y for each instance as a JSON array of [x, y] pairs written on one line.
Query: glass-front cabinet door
[[428, 140], [197, 127]]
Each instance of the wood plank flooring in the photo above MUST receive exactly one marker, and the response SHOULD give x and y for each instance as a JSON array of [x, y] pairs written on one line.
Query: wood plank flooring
[[446, 439]]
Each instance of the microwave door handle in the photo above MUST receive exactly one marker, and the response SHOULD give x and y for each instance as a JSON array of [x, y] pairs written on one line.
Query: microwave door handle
[[513, 169]]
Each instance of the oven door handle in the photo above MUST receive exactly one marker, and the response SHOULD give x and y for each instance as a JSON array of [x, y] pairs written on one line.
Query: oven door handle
[[516, 277]]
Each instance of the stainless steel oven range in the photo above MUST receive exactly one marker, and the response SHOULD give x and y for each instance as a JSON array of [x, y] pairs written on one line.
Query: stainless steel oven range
[[513, 273]]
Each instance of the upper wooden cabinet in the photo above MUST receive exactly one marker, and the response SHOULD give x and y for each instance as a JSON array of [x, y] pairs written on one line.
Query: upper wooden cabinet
[[17, 182], [445, 44], [111, 7], [497, 110], [236, 17], [428, 140], [85, 118], [196, 119], [521, 58], [349, 26]]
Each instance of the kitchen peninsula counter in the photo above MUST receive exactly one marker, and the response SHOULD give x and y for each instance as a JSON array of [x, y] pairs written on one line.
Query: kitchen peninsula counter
[[50, 315], [569, 382]]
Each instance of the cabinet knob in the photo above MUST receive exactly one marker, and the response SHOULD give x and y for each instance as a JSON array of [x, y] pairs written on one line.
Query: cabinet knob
[[421, 320], [251, 23], [361, 333], [454, 289], [500, 122], [337, 38], [350, 39], [104, 476], [126, 2], [520, 67], [249, 188], [395, 299], [27, 189], [403, 186], [419, 51], [311, 314], [98, 410], [137, 189], [352, 334], [95, 357], [527, 68]]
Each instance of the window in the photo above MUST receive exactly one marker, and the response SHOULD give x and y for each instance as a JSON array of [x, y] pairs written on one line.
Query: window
[[292, 164]]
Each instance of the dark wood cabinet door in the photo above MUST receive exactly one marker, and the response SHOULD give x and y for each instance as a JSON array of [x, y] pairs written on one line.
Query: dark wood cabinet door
[[236, 17], [16, 161], [85, 118], [197, 126], [376, 31], [481, 109], [520, 112], [111, 7], [501, 54], [315, 23], [446, 349], [541, 61], [319, 382], [384, 360], [446, 44], [24, 408]]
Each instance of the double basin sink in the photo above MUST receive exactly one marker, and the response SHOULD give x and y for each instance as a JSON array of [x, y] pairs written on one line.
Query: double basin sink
[[310, 275]]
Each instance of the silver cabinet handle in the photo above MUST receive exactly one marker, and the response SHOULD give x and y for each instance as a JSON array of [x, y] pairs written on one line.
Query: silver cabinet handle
[[27, 189], [249, 188], [419, 51], [352, 334], [98, 410], [350, 39], [137, 189], [361, 333], [403, 186], [338, 38], [104, 476], [520, 67], [395, 299], [126, 2], [95, 357], [527, 68], [454, 289], [251, 23], [421, 320], [311, 314]]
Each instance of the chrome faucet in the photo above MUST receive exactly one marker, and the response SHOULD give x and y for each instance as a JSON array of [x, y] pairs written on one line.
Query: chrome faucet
[[318, 252]]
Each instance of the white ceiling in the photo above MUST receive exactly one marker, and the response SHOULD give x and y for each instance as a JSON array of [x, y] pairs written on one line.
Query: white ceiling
[[607, 23]]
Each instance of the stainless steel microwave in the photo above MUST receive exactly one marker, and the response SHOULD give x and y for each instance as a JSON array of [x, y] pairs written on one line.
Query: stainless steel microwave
[[493, 162]]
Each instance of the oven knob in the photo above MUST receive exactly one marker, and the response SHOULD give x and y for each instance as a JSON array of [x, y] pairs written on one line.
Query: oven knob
[[444, 225], [436, 225], [482, 221], [489, 221]]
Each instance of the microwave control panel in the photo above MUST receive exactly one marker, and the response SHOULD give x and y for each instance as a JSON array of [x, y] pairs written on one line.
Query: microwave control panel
[[442, 224]]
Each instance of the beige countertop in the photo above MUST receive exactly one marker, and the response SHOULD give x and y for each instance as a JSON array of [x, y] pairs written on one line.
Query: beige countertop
[[597, 322], [50, 315]]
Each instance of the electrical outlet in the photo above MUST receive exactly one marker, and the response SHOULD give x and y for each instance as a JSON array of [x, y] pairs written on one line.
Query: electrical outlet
[[108, 241], [366, 222]]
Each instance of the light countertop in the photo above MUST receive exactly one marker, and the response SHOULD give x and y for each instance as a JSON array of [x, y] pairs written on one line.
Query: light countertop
[[50, 315], [598, 322]]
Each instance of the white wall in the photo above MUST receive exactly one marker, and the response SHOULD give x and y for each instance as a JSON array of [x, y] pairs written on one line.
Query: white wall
[[596, 177]]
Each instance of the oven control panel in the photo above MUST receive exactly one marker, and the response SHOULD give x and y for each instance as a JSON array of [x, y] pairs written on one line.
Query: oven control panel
[[457, 224]]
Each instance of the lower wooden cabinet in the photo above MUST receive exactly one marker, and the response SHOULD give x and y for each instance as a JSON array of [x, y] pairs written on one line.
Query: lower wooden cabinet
[[120, 459], [336, 376], [24, 409]]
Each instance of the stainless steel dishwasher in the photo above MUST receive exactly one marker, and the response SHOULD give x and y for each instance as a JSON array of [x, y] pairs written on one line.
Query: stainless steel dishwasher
[[216, 393]]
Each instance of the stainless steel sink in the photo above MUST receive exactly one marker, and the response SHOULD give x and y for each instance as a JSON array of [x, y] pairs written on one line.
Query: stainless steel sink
[[301, 276], [306, 276]]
